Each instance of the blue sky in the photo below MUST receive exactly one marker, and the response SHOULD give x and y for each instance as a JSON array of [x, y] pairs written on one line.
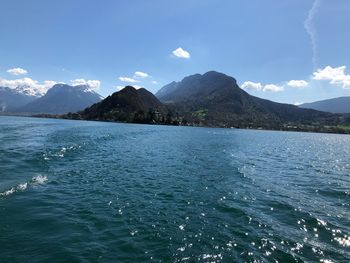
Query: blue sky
[[263, 44]]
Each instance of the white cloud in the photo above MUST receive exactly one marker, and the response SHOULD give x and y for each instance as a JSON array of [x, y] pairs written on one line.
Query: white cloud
[[17, 71], [141, 74], [93, 84], [49, 84], [329, 73], [252, 85], [298, 103], [310, 29], [181, 53], [154, 82], [273, 88], [333, 75], [297, 83], [126, 79], [28, 85]]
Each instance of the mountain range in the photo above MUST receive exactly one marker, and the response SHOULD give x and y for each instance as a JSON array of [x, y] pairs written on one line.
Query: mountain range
[[335, 105], [60, 99], [212, 99], [12, 99]]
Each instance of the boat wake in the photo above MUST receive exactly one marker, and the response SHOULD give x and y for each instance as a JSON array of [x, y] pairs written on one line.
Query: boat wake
[[61, 152], [36, 180]]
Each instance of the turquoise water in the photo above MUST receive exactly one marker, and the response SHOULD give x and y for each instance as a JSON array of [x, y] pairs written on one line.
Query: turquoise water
[[75, 191]]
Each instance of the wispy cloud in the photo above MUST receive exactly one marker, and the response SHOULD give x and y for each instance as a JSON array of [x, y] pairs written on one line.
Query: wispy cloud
[[297, 83], [127, 79], [257, 86], [17, 71], [181, 53], [310, 29], [93, 84], [250, 85], [140, 74], [273, 88]]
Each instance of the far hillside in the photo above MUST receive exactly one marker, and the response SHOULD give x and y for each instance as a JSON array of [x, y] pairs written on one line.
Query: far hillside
[[335, 105]]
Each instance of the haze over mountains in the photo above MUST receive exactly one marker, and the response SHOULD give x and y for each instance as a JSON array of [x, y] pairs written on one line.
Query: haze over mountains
[[60, 99], [12, 99], [335, 105]]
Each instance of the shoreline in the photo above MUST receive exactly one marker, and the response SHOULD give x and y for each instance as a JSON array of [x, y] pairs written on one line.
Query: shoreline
[[328, 129]]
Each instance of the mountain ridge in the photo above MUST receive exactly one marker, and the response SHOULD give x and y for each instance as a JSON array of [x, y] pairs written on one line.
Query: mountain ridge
[[61, 99], [213, 100], [12, 99], [127, 105], [334, 105]]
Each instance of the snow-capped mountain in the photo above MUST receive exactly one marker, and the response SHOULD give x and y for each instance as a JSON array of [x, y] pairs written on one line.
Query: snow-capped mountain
[[63, 98], [12, 99], [30, 91]]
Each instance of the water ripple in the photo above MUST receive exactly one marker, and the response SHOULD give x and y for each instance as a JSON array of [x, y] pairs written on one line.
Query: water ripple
[[143, 193]]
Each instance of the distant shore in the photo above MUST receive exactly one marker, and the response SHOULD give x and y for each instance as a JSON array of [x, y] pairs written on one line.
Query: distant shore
[[291, 128]]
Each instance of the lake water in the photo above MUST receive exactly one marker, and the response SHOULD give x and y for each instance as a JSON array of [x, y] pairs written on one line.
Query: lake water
[[76, 191]]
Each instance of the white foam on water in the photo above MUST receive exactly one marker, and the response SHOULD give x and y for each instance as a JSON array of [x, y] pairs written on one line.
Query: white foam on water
[[61, 152], [19, 187], [39, 179], [22, 187], [8, 192]]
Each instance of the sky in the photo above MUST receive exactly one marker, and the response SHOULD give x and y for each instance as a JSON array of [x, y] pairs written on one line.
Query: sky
[[290, 51]]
